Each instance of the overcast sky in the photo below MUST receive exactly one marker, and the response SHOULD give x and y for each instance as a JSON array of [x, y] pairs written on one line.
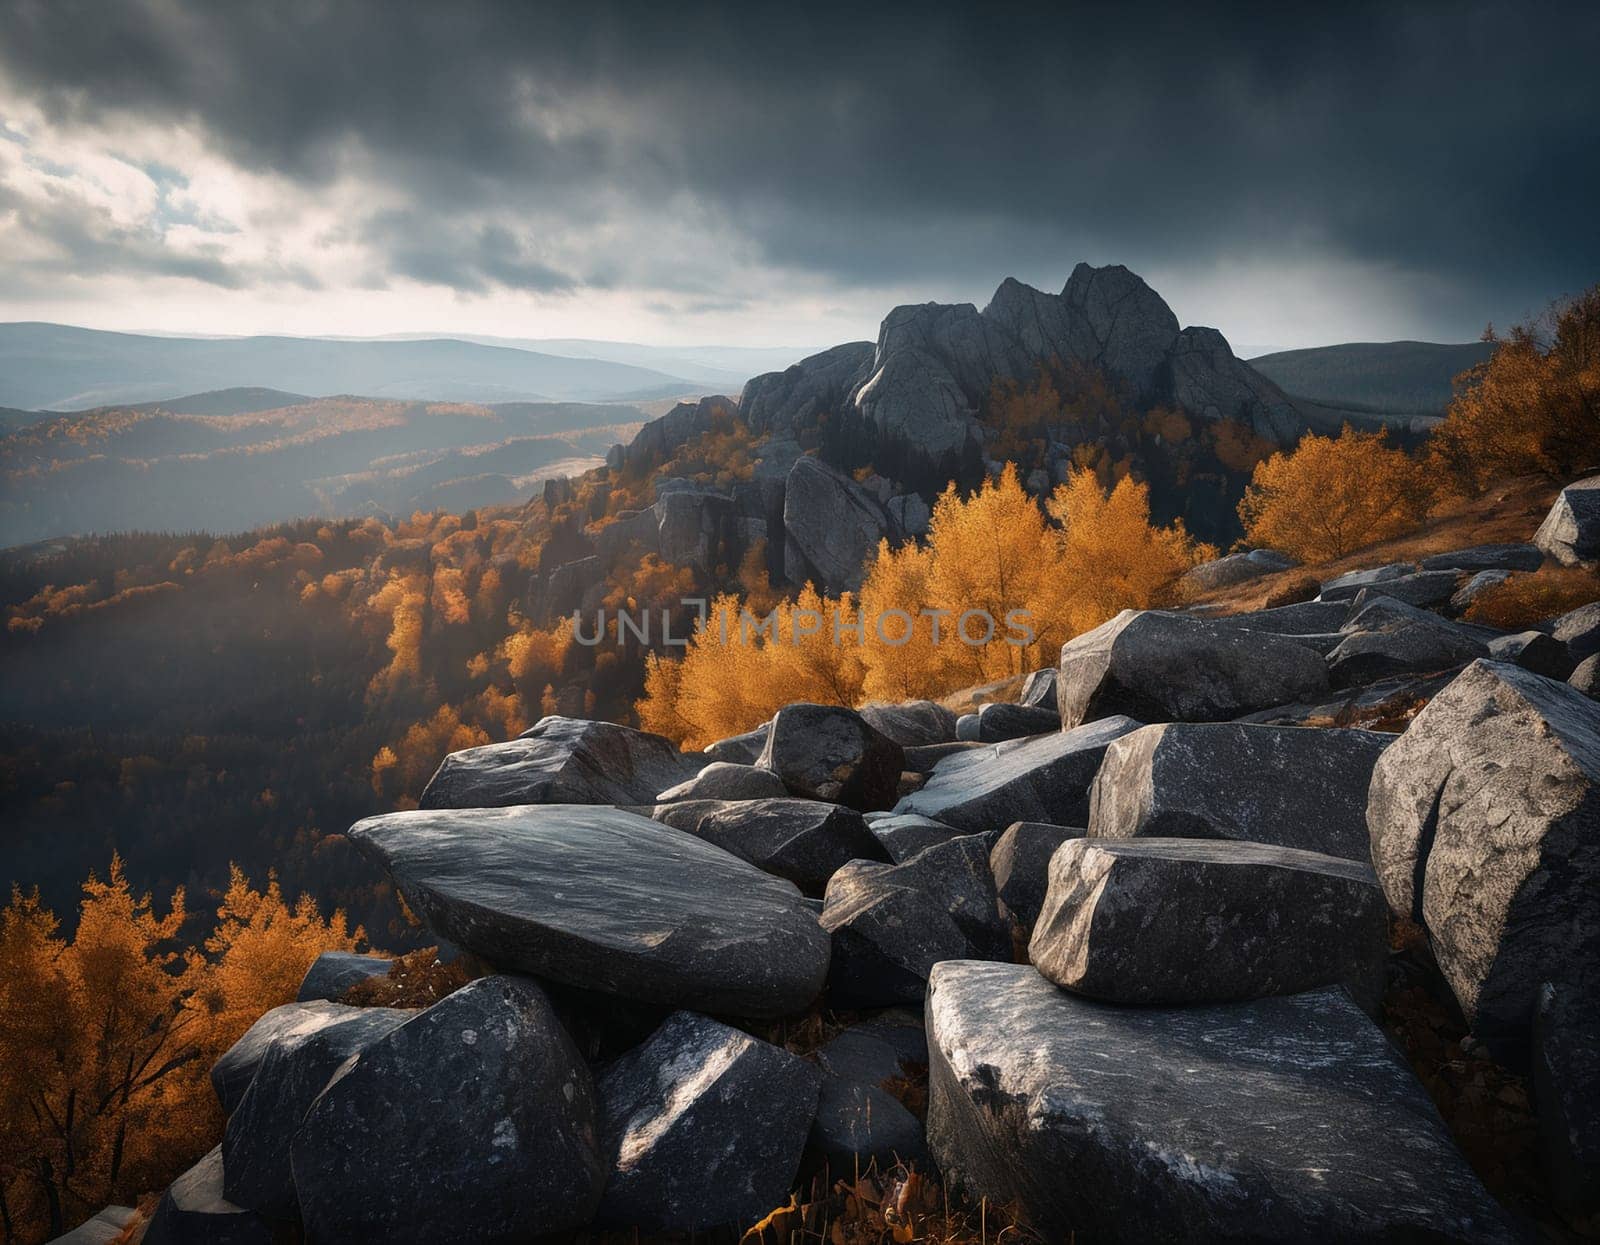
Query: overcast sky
[[784, 175]]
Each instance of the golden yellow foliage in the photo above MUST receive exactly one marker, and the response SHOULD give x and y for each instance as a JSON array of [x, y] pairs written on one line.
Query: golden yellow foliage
[[405, 767], [106, 1041], [261, 949], [450, 603], [403, 598], [1110, 557], [1533, 407], [995, 592], [1332, 495]]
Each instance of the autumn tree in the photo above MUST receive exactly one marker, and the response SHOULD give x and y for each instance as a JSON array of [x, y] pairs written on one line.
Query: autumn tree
[[1110, 557], [107, 1039], [260, 950], [996, 590], [1332, 495], [1533, 406]]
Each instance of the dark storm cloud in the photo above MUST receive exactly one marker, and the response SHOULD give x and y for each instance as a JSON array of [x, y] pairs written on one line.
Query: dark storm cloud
[[903, 145]]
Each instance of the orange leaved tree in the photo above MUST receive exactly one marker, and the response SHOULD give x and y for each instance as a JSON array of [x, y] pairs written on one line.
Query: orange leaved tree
[[1332, 495], [107, 1038], [1534, 406]]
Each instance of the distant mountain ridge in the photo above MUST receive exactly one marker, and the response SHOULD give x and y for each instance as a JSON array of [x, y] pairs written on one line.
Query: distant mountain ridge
[[1393, 378], [235, 459], [53, 366]]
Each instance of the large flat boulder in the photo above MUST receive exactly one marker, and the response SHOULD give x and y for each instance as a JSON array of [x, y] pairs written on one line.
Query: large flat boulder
[[1291, 786], [702, 1127], [1388, 637], [560, 761], [804, 841], [1172, 921], [608, 900], [1485, 825], [1570, 533], [1044, 778], [828, 752], [1282, 1119], [475, 1120], [1479, 558], [1167, 667]]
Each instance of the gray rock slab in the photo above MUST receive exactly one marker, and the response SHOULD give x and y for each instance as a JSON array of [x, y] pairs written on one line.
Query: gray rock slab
[[607, 900], [1282, 1119]]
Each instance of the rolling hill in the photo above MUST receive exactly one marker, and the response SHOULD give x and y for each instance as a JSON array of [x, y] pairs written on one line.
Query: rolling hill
[[1374, 378], [65, 368], [236, 459]]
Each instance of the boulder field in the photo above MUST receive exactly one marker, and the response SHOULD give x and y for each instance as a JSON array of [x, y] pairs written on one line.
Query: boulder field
[[1134, 929]]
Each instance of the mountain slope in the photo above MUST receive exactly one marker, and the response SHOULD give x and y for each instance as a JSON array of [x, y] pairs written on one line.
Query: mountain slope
[[1395, 378], [61, 367], [208, 462]]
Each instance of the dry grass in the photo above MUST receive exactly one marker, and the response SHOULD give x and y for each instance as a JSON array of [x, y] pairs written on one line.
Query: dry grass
[[1509, 513], [899, 1205], [1523, 600], [414, 980]]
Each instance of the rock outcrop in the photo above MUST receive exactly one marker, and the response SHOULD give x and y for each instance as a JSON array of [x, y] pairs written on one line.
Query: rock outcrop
[[831, 527], [910, 403]]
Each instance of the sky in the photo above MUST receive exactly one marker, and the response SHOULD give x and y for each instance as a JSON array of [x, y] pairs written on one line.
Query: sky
[[783, 175]]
